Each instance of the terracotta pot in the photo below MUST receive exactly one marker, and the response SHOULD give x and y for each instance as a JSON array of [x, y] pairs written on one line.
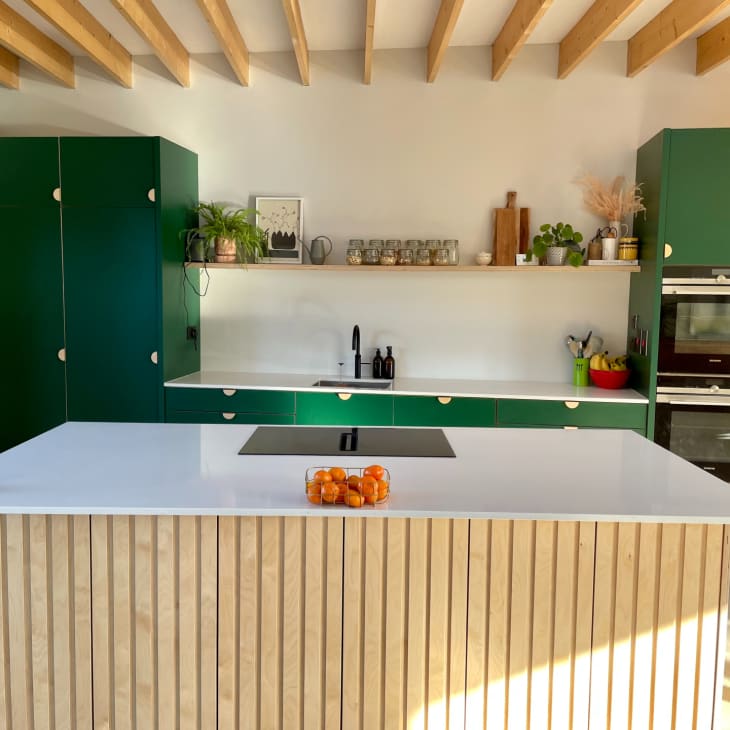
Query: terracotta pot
[[225, 251]]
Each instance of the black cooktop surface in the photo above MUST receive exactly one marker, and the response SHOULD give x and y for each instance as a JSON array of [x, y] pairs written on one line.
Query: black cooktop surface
[[343, 441]]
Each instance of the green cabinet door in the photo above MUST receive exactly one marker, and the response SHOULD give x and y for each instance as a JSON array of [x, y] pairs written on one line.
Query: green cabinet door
[[28, 172], [334, 409], [108, 171], [413, 410], [586, 414], [112, 316], [229, 399], [698, 197], [32, 377]]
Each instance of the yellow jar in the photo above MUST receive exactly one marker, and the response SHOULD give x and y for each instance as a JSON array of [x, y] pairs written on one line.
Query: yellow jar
[[628, 249]]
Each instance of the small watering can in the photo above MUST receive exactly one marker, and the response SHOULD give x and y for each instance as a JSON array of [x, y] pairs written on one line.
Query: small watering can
[[317, 252]]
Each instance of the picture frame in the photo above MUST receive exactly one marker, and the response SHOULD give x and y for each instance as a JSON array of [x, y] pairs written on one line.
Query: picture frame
[[282, 217]]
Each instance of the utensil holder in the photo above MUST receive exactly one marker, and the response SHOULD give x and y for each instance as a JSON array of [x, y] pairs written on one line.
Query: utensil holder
[[580, 371]]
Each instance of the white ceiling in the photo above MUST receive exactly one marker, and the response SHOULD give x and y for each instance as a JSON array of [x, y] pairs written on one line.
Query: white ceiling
[[340, 24]]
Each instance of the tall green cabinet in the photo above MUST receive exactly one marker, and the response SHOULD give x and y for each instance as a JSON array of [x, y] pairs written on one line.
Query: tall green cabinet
[[101, 268]]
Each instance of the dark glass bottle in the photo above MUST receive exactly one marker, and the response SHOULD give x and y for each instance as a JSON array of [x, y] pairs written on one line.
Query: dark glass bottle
[[389, 364], [378, 364]]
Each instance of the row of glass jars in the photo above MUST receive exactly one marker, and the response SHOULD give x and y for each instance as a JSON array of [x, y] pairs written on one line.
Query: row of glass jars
[[392, 252]]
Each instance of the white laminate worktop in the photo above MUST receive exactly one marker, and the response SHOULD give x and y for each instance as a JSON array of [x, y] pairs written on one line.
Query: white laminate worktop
[[118, 468], [528, 390]]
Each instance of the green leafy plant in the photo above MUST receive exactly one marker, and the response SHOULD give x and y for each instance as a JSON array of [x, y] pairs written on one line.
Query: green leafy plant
[[218, 220], [561, 235]]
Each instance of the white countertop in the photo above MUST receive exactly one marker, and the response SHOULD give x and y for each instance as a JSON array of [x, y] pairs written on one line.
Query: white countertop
[[117, 468], [412, 386]]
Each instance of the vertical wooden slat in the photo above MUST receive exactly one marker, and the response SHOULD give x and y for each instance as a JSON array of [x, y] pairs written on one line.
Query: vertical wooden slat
[[334, 637], [722, 629], [500, 578], [101, 629], [292, 591], [458, 599], [190, 624], [62, 618], [707, 642], [477, 628], [208, 622], [315, 622], [373, 629], [249, 593], [438, 625], [5, 710], [623, 625], [40, 629], [541, 661], [670, 580], [352, 625], [395, 615], [167, 626], [563, 650], [122, 631], [144, 626], [586, 556], [271, 546], [416, 656], [228, 623], [81, 586]]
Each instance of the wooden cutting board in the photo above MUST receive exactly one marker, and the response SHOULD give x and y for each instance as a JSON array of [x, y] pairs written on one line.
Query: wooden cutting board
[[506, 232]]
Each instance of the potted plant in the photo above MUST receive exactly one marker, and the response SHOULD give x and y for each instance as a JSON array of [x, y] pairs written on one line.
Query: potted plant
[[556, 243], [234, 237]]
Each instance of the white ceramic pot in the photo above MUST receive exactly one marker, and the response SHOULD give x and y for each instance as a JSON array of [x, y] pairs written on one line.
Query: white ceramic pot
[[556, 255], [484, 258]]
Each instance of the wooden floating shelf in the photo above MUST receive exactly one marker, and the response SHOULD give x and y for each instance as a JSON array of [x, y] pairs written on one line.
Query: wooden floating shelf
[[387, 269]]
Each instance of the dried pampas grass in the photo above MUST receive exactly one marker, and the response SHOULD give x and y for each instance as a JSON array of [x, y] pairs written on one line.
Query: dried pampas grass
[[613, 202]]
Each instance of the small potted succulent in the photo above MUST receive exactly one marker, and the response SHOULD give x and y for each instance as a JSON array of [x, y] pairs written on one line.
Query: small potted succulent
[[227, 228], [557, 243]]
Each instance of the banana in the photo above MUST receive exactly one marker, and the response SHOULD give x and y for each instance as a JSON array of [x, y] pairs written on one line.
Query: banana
[[595, 363]]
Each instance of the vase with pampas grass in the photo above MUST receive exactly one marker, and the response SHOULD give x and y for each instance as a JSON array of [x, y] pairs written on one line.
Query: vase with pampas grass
[[614, 202]]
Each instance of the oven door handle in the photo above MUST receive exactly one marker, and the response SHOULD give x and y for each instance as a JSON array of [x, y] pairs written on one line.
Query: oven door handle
[[710, 291], [693, 400]]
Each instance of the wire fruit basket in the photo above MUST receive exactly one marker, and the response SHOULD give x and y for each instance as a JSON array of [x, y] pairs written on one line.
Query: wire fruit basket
[[354, 487]]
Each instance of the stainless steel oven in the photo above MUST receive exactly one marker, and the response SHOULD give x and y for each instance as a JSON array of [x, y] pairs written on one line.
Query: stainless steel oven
[[693, 420], [695, 321]]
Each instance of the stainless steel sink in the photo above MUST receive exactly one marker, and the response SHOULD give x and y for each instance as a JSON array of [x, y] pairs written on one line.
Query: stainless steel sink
[[355, 384]]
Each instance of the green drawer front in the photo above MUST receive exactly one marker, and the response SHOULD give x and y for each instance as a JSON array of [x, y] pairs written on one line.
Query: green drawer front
[[557, 413], [237, 401], [411, 410], [328, 409], [229, 417]]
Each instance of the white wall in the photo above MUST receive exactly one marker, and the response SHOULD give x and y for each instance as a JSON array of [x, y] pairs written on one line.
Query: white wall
[[402, 159]]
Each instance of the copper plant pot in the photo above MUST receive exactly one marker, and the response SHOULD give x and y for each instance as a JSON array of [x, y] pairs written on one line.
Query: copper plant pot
[[225, 251]]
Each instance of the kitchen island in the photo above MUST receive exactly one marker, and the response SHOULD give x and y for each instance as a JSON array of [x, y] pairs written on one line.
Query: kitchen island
[[149, 575]]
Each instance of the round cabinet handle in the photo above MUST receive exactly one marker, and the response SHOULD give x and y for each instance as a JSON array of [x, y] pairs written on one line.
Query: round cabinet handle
[[721, 278], [57, 194], [667, 250], [228, 416], [714, 389], [444, 400], [570, 428], [572, 404], [61, 354], [153, 357], [344, 396], [228, 392], [151, 195]]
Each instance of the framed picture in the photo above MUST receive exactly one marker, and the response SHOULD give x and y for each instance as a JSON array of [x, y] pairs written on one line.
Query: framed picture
[[282, 219]]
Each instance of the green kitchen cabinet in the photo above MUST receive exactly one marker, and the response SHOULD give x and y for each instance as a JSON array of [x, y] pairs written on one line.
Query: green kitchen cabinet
[[268, 419], [414, 410], [230, 400], [344, 409], [29, 173], [515, 412], [32, 371]]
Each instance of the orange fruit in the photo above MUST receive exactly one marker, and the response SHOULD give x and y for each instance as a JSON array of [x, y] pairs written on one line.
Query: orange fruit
[[375, 471], [354, 482], [338, 474], [383, 488], [341, 491], [314, 493], [322, 476], [330, 491], [368, 486], [353, 498]]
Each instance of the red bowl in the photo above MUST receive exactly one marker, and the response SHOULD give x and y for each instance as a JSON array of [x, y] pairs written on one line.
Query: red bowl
[[610, 378]]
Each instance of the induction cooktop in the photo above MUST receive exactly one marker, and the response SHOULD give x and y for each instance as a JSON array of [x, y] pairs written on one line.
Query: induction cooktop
[[343, 441]]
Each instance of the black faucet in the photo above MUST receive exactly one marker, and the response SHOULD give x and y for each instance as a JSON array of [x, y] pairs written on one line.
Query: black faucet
[[356, 347]]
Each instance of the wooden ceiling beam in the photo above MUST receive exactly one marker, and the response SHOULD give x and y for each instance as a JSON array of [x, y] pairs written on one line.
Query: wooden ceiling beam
[[443, 29], [9, 69], [224, 27], [78, 24], [149, 23], [299, 40], [22, 38], [369, 38], [518, 27], [713, 47], [670, 27], [599, 21]]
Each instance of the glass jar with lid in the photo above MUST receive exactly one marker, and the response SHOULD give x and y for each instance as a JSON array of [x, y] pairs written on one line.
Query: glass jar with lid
[[405, 255], [440, 256], [354, 252], [452, 247], [423, 254], [432, 244], [371, 255], [387, 256]]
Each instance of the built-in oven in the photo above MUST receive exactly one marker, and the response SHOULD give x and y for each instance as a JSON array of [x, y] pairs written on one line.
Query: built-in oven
[[695, 321], [693, 420]]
